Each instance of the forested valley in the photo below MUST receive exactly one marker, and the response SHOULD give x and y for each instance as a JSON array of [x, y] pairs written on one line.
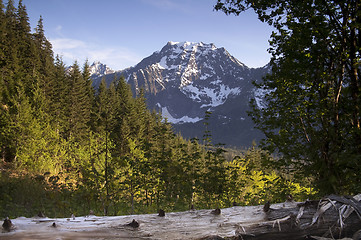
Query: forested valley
[[69, 148]]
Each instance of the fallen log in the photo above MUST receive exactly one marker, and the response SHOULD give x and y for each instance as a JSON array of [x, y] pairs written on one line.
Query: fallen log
[[331, 217]]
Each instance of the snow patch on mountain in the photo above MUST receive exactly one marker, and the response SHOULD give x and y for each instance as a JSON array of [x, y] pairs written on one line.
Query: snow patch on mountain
[[163, 62], [259, 96], [211, 97], [171, 119]]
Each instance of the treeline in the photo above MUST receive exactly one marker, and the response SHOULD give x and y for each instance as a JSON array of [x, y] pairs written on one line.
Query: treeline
[[68, 148]]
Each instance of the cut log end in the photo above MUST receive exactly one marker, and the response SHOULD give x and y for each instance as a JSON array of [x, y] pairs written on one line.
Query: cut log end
[[133, 224], [7, 225], [267, 207], [216, 211], [161, 213]]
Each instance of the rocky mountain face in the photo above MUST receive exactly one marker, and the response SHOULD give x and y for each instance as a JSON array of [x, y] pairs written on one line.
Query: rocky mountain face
[[98, 69], [184, 80]]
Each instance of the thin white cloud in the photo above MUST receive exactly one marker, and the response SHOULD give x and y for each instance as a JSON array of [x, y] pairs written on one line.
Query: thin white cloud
[[163, 4], [72, 50], [67, 43], [167, 5]]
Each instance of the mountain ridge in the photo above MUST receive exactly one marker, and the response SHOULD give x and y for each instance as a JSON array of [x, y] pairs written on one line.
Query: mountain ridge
[[183, 80]]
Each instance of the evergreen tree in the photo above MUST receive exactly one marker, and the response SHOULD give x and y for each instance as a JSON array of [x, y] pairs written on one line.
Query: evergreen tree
[[149, 144], [193, 167], [88, 86], [103, 122], [11, 61], [59, 106], [89, 93], [213, 177], [26, 53], [80, 104], [124, 106], [162, 154], [3, 106], [44, 62], [2, 44], [9, 77], [33, 137]]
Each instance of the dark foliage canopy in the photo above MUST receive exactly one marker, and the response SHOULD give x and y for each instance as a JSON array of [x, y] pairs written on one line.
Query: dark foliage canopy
[[312, 103]]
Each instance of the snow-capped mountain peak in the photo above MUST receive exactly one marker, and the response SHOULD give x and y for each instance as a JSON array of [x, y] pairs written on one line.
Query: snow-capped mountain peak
[[185, 79], [203, 74], [99, 69]]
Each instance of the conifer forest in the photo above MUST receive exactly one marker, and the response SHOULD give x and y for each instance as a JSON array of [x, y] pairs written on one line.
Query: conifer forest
[[67, 147]]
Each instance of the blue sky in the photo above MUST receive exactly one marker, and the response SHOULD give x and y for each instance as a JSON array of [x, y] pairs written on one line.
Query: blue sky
[[120, 33]]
